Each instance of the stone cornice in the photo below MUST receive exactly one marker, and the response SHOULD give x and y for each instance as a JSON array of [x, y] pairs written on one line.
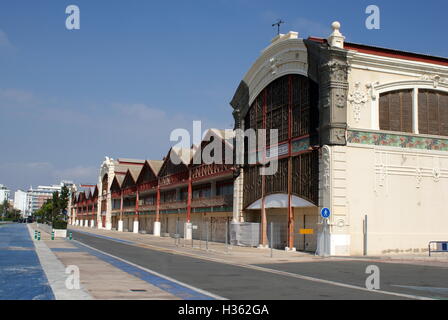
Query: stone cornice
[[393, 65]]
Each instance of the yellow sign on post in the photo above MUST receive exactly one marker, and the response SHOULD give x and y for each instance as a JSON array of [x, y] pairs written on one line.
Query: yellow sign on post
[[306, 231]]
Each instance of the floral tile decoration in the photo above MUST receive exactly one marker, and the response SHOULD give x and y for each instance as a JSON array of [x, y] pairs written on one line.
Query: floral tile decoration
[[396, 140], [301, 145]]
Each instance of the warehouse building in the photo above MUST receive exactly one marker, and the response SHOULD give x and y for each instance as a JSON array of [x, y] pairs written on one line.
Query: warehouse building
[[362, 131]]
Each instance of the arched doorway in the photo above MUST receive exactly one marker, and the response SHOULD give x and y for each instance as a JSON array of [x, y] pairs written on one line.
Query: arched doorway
[[305, 215]]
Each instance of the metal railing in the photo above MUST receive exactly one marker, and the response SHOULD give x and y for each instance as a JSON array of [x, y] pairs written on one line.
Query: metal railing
[[206, 234]]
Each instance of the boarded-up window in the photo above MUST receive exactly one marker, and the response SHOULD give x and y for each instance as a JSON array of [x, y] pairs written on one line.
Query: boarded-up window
[[433, 112], [396, 111]]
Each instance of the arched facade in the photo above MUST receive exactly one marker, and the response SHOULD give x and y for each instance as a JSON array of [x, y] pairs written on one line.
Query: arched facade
[[277, 93], [290, 105], [379, 136], [362, 131]]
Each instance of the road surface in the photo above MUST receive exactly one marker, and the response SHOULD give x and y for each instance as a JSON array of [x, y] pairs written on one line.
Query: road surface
[[341, 280]]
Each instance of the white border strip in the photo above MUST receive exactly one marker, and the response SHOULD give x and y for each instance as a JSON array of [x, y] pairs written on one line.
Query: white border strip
[[55, 272]]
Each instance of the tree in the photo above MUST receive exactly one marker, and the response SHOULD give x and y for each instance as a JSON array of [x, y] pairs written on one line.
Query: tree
[[9, 213], [43, 215], [52, 212], [63, 201], [4, 206]]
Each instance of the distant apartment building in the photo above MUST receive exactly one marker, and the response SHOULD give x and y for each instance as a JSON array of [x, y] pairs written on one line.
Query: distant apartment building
[[5, 193], [36, 198], [21, 201]]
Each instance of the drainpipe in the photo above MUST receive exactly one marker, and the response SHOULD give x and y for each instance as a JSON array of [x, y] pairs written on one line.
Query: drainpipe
[[365, 231]]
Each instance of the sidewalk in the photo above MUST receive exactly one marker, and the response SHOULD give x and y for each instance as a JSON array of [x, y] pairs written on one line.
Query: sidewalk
[[105, 278], [252, 256], [21, 275]]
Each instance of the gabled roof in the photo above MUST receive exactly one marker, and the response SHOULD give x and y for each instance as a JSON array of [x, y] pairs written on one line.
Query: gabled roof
[[183, 154], [81, 196], [183, 158], [117, 182], [95, 192], [131, 177], [156, 165], [131, 161], [225, 136], [135, 172], [88, 194], [122, 165], [148, 173], [123, 168]]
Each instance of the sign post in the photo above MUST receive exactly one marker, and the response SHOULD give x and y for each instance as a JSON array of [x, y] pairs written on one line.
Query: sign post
[[326, 214]]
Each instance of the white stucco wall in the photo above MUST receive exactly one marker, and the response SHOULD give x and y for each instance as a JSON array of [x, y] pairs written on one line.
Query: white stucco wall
[[404, 198]]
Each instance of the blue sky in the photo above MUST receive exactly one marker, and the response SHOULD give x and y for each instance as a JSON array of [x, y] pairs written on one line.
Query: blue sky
[[138, 69]]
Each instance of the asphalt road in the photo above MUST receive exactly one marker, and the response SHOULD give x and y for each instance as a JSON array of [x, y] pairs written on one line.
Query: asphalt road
[[240, 283], [426, 281]]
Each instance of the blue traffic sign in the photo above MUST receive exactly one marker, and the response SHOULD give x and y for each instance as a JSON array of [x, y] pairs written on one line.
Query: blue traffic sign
[[325, 213]]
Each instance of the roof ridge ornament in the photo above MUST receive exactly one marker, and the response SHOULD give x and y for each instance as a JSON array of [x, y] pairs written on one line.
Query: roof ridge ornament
[[336, 39]]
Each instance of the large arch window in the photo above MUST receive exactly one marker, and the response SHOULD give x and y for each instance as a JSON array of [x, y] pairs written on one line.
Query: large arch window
[[396, 111], [289, 104], [270, 110], [417, 107], [433, 112]]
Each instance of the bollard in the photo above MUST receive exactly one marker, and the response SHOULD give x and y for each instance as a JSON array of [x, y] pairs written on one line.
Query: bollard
[[206, 235], [227, 236], [272, 239], [70, 236], [35, 234], [38, 236], [200, 234], [52, 235], [176, 237]]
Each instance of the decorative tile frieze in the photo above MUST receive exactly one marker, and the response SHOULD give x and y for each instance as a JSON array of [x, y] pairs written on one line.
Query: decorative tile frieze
[[301, 145], [397, 140]]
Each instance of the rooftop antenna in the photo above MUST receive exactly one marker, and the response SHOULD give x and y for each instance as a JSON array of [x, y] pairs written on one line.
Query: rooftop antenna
[[278, 24]]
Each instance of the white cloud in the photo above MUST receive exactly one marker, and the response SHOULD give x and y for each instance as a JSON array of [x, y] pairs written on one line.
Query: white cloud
[[22, 175], [18, 96], [58, 132], [78, 174], [141, 112], [4, 41]]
